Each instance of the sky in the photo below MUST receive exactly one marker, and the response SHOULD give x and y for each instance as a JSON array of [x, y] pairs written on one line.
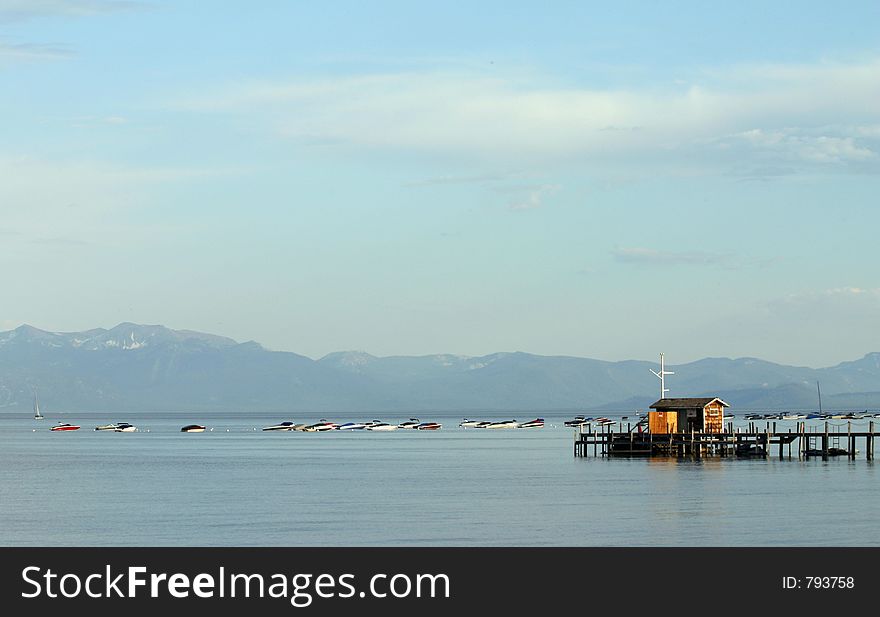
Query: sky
[[608, 180]]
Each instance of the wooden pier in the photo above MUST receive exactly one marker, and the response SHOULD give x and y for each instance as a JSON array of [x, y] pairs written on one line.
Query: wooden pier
[[746, 442]]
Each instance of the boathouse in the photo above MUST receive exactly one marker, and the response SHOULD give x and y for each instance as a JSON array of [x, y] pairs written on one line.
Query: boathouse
[[682, 415]]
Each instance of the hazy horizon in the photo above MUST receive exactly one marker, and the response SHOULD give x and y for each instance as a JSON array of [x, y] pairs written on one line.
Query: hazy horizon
[[411, 179], [268, 346]]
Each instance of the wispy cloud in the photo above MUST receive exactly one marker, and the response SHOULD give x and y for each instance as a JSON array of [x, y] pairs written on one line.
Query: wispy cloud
[[21, 10], [32, 51], [832, 145], [846, 304], [655, 257], [530, 196], [729, 117], [468, 179]]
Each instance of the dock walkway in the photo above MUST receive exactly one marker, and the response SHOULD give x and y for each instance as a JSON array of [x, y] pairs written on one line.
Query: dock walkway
[[749, 442]]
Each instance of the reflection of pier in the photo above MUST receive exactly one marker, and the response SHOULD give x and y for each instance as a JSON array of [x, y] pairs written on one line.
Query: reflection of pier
[[803, 442]]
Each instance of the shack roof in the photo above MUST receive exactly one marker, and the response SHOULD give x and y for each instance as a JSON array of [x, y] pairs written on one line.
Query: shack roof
[[686, 403]]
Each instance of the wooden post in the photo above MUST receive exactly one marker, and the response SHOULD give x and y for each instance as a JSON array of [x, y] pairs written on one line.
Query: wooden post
[[869, 442], [825, 443], [851, 451], [790, 439], [802, 449]]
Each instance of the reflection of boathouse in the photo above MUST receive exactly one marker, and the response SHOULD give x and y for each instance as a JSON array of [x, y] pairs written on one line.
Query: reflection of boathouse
[[683, 415]]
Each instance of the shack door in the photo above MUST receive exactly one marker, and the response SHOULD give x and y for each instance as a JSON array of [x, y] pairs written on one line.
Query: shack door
[[693, 421]]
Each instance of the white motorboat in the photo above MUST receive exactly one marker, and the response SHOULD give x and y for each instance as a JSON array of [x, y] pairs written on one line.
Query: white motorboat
[[117, 427], [469, 423], [577, 421], [320, 427], [503, 424], [536, 423], [382, 426], [411, 423], [193, 428], [64, 426], [352, 426], [281, 426]]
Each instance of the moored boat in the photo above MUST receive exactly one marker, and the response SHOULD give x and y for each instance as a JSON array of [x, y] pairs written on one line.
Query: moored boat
[[351, 426], [193, 428], [64, 426], [281, 426], [411, 423], [117, 427], [469, 423], [503, 424], [577, 421], [382, 426], [320, 427], [429, 426], [536, 423]]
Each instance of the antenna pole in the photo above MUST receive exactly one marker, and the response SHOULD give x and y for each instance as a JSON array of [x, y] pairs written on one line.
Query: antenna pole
[[662, 376]]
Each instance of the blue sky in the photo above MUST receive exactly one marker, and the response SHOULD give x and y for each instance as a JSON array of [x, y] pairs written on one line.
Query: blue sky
[[604, 180]]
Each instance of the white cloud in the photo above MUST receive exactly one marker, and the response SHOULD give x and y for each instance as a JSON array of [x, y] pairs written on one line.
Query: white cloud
[[734, 112], [529, 197], [793, 143]]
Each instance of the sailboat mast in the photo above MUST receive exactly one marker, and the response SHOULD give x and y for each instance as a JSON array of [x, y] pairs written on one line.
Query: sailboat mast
[[37, 414], [820, 396]]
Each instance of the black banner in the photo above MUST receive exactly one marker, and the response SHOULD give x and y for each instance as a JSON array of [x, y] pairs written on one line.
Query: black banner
[[433, 581]]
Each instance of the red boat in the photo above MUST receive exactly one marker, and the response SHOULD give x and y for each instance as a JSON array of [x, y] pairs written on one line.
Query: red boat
[[64, 426], [429, 426]]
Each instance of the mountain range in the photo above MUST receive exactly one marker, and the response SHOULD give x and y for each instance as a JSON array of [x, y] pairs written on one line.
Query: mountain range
[[153, 368]]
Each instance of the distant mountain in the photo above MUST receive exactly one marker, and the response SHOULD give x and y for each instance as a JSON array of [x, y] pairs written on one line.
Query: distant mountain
[[151, 367]]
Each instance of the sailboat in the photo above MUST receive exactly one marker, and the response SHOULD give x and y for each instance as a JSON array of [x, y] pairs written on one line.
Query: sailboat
[[37, 414]]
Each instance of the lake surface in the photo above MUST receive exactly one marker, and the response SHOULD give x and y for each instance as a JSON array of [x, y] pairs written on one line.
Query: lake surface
[[237, 486]]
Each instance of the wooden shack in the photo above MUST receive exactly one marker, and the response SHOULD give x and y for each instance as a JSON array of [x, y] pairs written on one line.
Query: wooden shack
[[674, 415]]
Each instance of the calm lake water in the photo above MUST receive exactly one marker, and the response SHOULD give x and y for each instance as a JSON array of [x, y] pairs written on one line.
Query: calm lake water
[[237, 486]]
